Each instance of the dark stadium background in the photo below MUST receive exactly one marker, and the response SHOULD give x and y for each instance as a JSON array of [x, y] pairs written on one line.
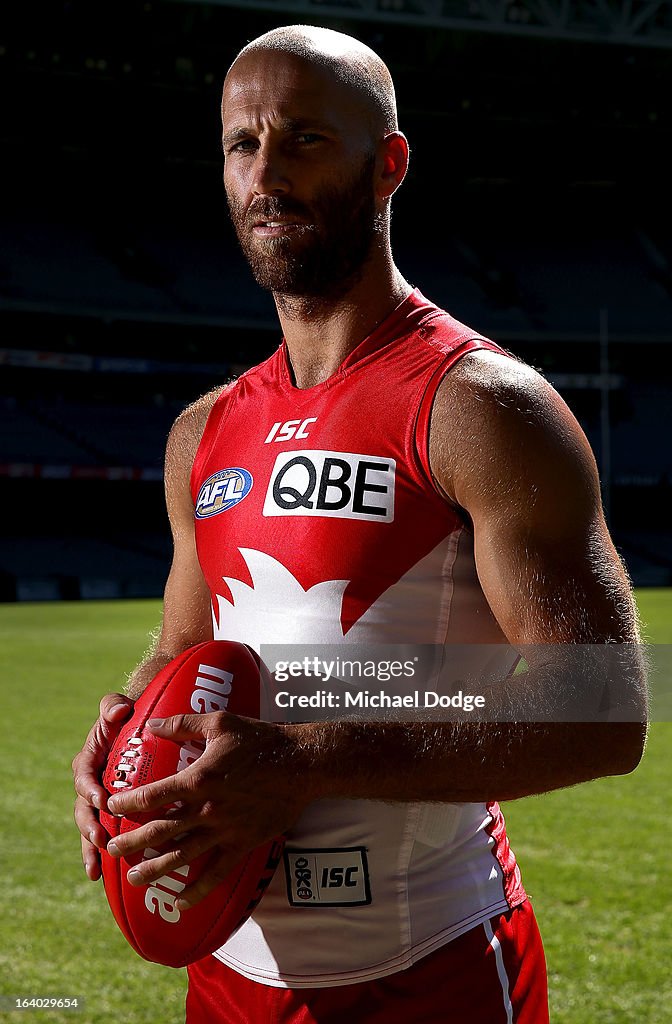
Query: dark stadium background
[[537, 209]]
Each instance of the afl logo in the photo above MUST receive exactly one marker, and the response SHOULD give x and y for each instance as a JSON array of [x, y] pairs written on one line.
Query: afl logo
[[222, 491]]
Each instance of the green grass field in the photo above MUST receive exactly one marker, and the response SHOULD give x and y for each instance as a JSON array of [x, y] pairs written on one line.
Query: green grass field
[[594, 858]]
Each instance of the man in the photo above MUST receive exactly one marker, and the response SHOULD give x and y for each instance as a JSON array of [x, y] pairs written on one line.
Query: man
[[397, 478]]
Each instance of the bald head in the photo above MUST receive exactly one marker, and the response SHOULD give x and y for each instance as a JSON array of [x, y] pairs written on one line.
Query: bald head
[[350, 61]]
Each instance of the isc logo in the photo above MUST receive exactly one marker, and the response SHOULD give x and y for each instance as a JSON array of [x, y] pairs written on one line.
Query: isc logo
[[222, 491], [336, 877], [291, 428], [339, 485]]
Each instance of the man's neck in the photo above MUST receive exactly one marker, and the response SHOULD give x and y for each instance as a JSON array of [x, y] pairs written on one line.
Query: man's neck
[[320, 335]]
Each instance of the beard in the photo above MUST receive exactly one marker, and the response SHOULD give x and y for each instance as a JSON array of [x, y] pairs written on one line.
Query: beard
[[324, 259]]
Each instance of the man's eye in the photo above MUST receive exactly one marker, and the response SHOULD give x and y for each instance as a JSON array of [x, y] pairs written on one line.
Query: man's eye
[[243, 146], [308, 137]]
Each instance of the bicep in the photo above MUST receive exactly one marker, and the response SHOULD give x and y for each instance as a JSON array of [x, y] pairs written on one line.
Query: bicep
[[518, 462], [187, 614], [572, 589], [187, 611]]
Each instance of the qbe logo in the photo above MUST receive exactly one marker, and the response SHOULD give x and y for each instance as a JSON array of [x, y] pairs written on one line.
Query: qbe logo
[[339, 485], [222, 491], [327, 877]]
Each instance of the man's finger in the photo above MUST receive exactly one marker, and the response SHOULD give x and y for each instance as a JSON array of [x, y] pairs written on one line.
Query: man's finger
[[89, 788], [91, 861], [184, 727], [153, 834], [92, 835], [210, 879], [115, 707], [88, 824], [185, 851], [86, 779], [86, 765], [152, 796]]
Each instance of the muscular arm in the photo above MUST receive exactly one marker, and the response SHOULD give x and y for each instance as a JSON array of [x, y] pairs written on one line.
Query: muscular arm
[[506, 450]]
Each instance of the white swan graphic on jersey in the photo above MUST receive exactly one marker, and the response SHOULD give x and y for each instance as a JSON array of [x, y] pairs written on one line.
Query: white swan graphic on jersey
[[276, 609]]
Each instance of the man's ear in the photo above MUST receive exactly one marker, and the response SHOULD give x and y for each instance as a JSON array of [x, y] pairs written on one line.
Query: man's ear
[[394, 155]]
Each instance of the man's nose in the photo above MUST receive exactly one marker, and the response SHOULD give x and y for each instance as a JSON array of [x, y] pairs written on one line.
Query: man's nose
[[270, 173]]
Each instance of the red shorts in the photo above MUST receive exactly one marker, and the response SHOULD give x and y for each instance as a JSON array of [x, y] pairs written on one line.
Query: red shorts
[[493, 974]]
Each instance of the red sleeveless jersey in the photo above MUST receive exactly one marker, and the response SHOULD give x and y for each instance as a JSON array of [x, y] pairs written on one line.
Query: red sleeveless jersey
[[318, 522]]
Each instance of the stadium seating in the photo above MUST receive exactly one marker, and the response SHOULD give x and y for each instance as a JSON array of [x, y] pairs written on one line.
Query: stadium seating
[[124, 296]]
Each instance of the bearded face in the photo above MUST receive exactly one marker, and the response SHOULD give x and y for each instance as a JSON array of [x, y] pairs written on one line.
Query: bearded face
[[330, 241]]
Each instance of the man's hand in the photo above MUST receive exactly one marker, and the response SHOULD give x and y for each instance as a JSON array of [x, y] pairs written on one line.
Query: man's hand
[[245, 789], [87, 768]]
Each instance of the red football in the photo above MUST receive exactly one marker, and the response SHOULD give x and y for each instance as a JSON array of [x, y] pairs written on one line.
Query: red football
[[217, 675]]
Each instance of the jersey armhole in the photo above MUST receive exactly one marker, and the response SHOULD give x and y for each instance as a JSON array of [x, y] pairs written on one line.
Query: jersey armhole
[[214, 421], [424, 416]]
